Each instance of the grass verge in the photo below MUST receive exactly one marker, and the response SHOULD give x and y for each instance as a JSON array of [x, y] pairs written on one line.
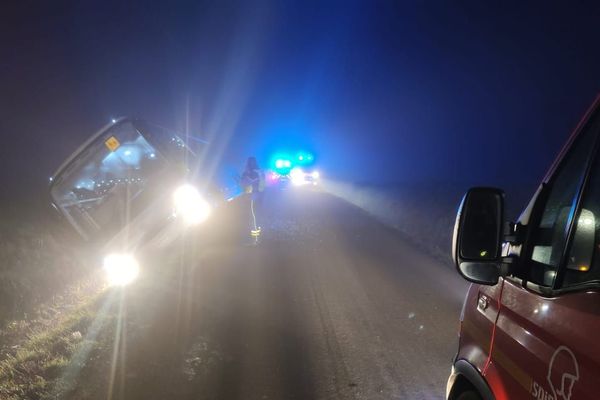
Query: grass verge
[[46, 364]]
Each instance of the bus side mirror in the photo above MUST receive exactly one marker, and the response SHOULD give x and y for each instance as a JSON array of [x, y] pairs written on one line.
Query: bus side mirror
[[477, 240]]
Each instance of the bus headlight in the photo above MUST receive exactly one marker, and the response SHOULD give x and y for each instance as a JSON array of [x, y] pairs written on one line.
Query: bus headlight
[[121, 269], [190, 205]]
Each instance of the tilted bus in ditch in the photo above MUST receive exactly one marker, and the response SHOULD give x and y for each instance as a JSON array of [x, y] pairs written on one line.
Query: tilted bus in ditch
[[128, 187]]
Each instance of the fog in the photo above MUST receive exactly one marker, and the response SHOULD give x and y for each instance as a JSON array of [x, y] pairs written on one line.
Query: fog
[[381, 93]]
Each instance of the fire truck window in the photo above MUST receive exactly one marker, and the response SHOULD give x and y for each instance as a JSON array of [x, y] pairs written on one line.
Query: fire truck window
[[550, 236], [583, 260]]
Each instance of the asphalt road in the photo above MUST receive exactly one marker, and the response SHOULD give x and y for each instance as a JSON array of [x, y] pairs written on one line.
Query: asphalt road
[[331, 305]]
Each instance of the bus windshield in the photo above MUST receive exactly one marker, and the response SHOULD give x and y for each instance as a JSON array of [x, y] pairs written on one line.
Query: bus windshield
[[103, 186]]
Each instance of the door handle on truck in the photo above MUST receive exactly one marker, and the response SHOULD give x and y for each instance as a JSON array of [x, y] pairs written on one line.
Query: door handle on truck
[[483, 302]]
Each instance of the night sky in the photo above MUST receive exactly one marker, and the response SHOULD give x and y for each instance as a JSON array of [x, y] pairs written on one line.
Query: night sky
[[380, 91]]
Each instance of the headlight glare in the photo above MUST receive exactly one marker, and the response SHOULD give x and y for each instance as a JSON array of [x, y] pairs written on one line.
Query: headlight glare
[[297, 176], [190, 205], [121, 269]]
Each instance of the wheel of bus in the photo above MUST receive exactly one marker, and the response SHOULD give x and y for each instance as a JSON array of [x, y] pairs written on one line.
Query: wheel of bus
[[469, 395]]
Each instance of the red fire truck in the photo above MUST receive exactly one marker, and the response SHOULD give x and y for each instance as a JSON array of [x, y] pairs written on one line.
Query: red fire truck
[[531, 319]]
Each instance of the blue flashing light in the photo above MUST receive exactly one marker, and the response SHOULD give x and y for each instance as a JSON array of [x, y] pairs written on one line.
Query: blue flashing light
[[282, 163], [304, 158]]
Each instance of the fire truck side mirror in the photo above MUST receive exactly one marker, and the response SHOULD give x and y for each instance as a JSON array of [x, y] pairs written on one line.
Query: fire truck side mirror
[[477, 239]]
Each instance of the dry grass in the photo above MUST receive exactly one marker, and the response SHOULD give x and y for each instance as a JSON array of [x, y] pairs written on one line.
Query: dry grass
[[48, 299], [39, 258], [38, 367]]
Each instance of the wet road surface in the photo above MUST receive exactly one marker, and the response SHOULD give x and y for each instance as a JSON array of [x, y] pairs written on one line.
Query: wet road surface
[[331, 305]]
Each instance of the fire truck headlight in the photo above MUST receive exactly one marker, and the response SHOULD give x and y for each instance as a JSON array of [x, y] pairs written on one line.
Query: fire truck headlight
[[189, 205], [297, 176], [120, 269]]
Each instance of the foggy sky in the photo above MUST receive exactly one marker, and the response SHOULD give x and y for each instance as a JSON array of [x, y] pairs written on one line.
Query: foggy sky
[[379, 91]]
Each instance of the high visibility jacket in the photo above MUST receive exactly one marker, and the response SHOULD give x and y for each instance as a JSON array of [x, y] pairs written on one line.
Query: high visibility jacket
[[253, 181]]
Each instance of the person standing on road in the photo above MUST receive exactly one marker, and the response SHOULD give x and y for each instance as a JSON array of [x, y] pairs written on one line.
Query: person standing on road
[[253, 181]]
